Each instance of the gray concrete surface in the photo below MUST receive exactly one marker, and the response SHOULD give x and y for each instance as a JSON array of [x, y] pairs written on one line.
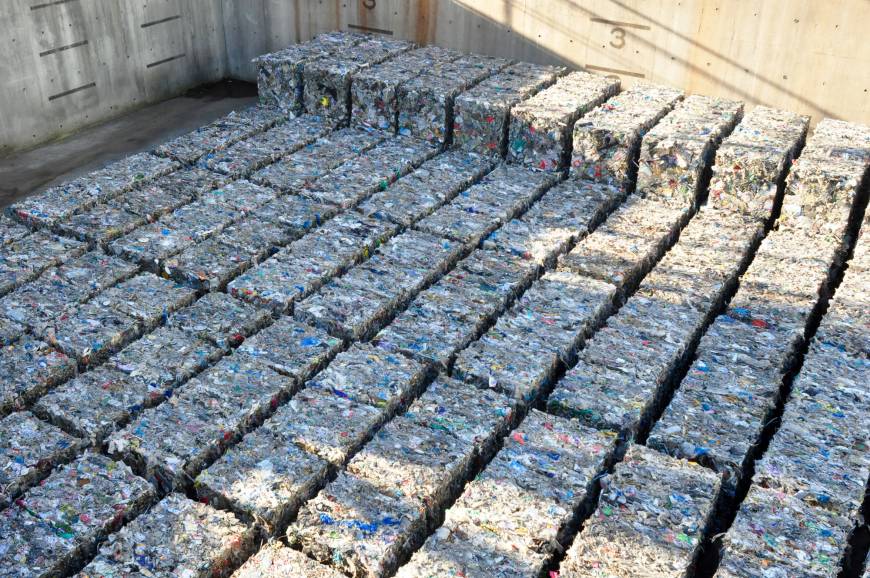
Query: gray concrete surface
[[68, 64], [31, 171]]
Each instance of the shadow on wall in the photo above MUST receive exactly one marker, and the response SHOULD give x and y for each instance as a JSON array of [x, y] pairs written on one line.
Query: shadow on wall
[[644, 31]]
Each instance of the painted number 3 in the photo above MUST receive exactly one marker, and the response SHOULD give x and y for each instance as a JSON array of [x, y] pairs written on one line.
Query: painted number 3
[[370, 4], [617, 33]]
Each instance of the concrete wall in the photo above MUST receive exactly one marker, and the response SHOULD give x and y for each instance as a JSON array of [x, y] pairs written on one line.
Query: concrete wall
[[65, 64], [68, 63]]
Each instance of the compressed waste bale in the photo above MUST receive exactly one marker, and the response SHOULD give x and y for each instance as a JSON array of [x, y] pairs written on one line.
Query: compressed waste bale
[[290, 348], [627, 244], [776, 532], [212, 264], [327, 82], [677, 151], [844, 325], [414, 463], [249, 155], [842, 329], [482, 113], [24, 260], [177, 537], [153, 244], [303, 266], [11, 230], [325, 423], [94, 330], [147, 298], [466, 220], [568, 211], [721, 405], [306, 165], [296, 214], [10, 331], [102, 223], [332, 417], [426, 102], [91, 332], [817, 454], [355, 528], [172, 443], [95, 401], [368, 374], [170, 192], [150, 246], [622, 371], [119, 216], [421, 251], [263, 478], [434, 183], [241, 195], [358, 178], [219, 259], [60, 289], [477, 416], [373, 94], [95, 271], [606, 140], [275, 560], [30, 367], [279, 74], [482, 207], [29, 450], [433, 327], [356, 304], [219, 319], [820, 193], [520, 354], [841, 139], [626, 368], [165, 358], [58, 203], [351, 307], [650, 520], [220, 134], [487, 278], [447, 316], [40, 303], [752, 161], [56, 526], [541, 127], [510, 519], [784, 281]]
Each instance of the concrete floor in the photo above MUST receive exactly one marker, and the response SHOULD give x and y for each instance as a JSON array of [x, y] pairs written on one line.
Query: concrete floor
[[27, 172]]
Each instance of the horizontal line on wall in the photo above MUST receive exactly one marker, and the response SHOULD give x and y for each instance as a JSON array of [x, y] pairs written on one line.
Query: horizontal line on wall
[[369, 29], [165, 60], [614, 71], [48, 4], [72, 91], [62, 48], [161, 21], [620, 24]]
